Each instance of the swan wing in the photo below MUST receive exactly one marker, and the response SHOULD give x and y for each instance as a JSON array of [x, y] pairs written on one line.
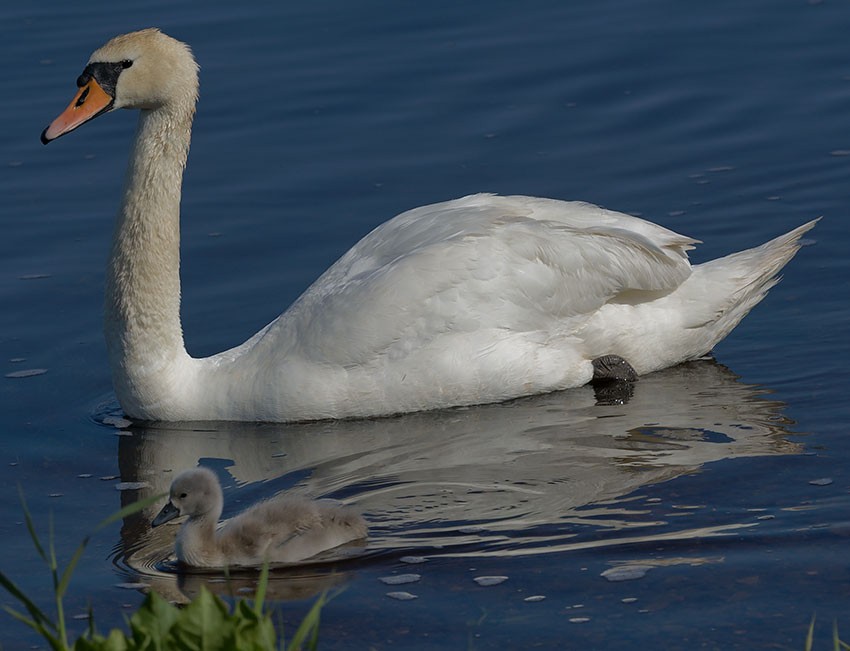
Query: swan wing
[[479, 263]]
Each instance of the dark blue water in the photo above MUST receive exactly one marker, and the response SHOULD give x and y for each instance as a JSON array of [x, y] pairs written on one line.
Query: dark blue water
[[725, 121]]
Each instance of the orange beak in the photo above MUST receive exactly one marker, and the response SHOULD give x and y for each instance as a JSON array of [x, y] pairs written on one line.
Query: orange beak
[[89, 102]]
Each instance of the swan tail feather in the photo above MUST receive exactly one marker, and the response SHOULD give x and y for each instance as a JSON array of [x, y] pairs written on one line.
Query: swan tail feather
[[744, 278]]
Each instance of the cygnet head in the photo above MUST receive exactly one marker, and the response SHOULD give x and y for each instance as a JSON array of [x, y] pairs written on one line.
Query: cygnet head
[[195, 493], [140, 70]]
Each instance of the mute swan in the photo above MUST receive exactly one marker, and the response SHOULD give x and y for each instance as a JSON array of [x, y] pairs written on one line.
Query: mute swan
[[282, 530], [475, 300]]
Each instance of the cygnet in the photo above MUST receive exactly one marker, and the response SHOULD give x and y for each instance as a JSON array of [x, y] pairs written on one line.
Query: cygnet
[[280, 530]]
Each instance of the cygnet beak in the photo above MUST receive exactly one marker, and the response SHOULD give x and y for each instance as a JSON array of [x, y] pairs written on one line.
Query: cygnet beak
[[168, 513]]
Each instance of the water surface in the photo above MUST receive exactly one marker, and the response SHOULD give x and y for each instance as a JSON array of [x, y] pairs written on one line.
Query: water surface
[[317, 122]]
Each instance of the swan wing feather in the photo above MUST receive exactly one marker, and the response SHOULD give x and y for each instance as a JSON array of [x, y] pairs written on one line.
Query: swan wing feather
[[479, 263]]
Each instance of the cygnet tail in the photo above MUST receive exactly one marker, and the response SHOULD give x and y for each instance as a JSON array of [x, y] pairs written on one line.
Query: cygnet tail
[[740, 280]]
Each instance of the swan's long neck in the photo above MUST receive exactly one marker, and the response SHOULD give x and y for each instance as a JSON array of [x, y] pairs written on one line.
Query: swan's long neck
[[142, 318]]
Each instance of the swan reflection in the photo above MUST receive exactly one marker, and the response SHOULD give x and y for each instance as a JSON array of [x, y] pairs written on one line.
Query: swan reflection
[[526, 477]]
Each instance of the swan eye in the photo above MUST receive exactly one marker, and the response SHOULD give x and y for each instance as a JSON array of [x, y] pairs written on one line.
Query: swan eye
[[183, 496], [126, 63]]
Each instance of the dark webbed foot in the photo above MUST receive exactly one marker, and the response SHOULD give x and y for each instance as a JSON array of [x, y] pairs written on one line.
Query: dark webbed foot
[[612, 368], [613, 380]]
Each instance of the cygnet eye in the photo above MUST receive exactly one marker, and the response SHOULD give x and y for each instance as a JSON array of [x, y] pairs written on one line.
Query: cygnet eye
[[183, 495]]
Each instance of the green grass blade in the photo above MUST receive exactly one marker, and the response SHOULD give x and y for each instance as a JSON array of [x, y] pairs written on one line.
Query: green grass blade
[[38, 627], [309, 626], [837, 644], [262, 585], [30, 527], [35, 612], [92, 629], [62, 585], [21, 617], [51, 548], [130, 509], [57, 596], [55, 633], [811, 635], [279, 627]]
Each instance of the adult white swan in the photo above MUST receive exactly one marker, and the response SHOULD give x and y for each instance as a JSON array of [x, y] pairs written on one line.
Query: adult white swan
[[476, 300]]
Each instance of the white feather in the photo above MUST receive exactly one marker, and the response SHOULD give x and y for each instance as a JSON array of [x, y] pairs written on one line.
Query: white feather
[[475, 300]]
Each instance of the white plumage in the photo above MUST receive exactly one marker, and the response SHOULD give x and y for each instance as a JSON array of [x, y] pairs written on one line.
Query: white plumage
[[475, 300]]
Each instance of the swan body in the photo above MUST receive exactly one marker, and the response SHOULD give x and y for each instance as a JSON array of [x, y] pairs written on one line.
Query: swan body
[[282, 530], [476, 300]]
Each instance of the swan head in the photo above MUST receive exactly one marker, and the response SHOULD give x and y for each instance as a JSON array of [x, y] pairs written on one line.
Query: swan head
[[195, 493], [140, 70]]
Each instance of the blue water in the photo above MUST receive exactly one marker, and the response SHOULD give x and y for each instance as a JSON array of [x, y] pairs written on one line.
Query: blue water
[[725, 121]]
